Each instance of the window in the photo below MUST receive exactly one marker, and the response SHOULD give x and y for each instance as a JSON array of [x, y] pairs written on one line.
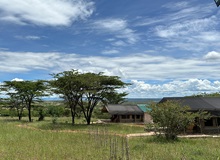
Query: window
[[138, 116], [125, 116]]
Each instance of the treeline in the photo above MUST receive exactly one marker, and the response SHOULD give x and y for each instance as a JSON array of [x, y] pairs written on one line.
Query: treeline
[[54, 109], [39, 109], [204, 94], [81, 93]]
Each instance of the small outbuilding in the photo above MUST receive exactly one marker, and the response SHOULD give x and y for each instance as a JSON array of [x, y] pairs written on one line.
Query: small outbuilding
[[125, 113]]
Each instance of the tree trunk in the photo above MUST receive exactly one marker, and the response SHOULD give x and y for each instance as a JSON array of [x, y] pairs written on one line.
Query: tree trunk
[[89, 116], [19, 113], [29, 114], [88, 119], [19, 117], [73, 116], [29, 111]]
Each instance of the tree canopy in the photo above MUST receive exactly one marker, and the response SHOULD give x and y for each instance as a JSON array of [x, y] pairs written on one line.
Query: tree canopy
[[25, 91], [97, 88], [86, 90], [68, 85]]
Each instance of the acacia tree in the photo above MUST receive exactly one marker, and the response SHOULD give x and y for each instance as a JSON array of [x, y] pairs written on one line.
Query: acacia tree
[[67, 84], [97, 88], [28, 91], [17, 102], [172, 118], [85, 90]]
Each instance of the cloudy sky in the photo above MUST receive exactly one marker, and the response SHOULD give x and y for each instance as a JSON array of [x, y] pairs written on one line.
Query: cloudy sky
[[164, 48]]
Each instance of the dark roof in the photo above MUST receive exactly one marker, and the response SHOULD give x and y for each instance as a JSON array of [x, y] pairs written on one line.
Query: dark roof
[[124, 109], [197, 103]]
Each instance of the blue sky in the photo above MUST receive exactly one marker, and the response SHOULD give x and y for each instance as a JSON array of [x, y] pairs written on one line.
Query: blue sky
[[164, 48]]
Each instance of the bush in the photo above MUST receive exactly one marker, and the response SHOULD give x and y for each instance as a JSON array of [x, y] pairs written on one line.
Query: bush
[[5, 112], [55, 111], [172, 118]]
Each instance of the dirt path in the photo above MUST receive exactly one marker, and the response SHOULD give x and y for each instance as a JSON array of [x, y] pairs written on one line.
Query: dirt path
[[180, 136], [140, 134], [123, 135]]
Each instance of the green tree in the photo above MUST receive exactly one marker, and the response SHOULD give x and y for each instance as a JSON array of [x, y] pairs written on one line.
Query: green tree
[[67, 84], [96, 89], [28, 91], [17, 102], [85, 90], [172, 118]]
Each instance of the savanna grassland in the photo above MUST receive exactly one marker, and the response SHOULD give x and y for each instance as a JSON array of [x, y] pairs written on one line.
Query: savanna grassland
[[48, 140]]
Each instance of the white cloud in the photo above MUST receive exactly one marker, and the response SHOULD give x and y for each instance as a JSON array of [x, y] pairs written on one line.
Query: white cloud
[[33, 37], [26, 61], [119, 43], [192, 35], [109, 52], [172, 88], [185, 26], [112, 25], [177, 5], [181, 76], [45, 13], [118, 27], [213, 56], [29, 37], [136, 66], [17, 79], [211, 37]]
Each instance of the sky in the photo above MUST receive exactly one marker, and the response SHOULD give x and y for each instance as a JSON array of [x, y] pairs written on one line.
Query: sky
[[163, 48]]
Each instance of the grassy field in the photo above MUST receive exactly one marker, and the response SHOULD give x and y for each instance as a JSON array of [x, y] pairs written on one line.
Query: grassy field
[[44, 140]]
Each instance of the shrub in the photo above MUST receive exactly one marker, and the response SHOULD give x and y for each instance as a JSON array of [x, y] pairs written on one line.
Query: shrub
[[172, 118], [55, 111]]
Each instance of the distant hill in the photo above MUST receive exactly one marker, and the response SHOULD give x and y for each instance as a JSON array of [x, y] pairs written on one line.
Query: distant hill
[[141, 100]]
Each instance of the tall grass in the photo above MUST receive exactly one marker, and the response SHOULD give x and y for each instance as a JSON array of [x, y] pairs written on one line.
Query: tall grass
[[151, 148], [96, 142]]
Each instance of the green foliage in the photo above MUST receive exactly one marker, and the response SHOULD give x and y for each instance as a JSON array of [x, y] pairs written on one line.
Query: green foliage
[[68, 85], [171, 118], [86, 90], [96, 89], [40, 112], [5, 112], [55, 111], [25, 92], [17, 103]]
